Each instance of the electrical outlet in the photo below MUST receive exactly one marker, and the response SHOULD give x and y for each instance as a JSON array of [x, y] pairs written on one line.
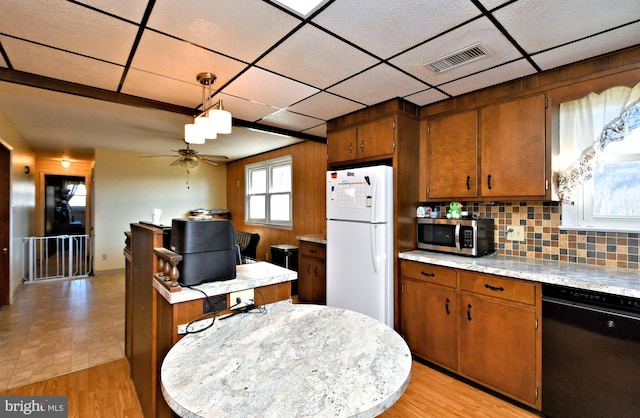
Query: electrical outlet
[[241, 299], [515, 233]]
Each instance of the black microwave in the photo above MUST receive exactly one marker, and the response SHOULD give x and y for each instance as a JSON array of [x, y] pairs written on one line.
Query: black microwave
[[472, 237]]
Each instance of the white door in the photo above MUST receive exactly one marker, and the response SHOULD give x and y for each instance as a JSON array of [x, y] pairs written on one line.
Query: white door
[[359, 269]]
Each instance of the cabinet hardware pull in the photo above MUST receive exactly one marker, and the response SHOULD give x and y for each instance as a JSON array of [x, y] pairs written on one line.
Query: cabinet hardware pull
[[312, 251], [315, 271], [469, 312], [428, 274], [308, 268], [446, 306], [362, 145], [488, 286], [350, 147], [468, 182], [489, 181]]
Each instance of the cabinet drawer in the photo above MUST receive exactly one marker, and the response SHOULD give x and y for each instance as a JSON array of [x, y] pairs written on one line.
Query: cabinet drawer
[[429, 273], [312, 249], [499, 287]]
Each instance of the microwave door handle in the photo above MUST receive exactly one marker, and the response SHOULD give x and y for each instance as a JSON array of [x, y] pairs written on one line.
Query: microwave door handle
[[457, 236]]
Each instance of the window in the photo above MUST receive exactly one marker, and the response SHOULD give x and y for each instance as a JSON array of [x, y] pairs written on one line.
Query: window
[[604, 180], [269, 192]]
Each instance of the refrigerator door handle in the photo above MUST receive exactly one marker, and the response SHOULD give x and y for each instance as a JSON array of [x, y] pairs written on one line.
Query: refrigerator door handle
[[374, 252], [373, 200]]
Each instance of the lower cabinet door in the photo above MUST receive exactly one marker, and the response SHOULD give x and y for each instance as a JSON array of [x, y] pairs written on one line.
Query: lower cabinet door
[[429, 322], [498, 346]]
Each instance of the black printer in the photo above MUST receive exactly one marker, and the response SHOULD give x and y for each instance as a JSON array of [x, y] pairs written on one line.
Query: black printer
[[208, 250]]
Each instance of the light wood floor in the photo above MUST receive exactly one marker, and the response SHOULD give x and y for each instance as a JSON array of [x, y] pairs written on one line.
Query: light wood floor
[[105, 390]]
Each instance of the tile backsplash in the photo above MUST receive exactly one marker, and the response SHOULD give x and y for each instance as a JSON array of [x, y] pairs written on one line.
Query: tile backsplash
[[544, 239]]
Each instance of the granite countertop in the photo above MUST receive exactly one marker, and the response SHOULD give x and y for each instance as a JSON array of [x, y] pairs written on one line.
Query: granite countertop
[[625, 282], [290, 361], [248, 276], [317, 238]]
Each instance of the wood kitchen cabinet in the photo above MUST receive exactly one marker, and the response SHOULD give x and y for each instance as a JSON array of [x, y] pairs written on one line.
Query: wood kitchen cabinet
[[366, 141], [497, 151], [311, 273], [512, 148], [480, 326], [429, 316], [452, 155]]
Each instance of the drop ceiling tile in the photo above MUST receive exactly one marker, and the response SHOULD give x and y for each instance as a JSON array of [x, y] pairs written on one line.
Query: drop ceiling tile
[[488, 78], [49, 62], [164, 89], [377, 85], [130, 9], [228, 27], [492, 4], [268, 88], [310, 55], [389, 27], [426, 97], [244, 109], [598, 45], [289, 120], [479, 31], [70, 27], [320, 130], [181, 60], [538, 25], [325, 106]]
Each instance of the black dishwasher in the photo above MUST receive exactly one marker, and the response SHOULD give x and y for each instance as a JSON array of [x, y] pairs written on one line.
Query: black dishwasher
[[590, 354]]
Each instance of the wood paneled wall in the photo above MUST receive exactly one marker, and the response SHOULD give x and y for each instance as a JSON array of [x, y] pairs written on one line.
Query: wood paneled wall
[[309, 166]]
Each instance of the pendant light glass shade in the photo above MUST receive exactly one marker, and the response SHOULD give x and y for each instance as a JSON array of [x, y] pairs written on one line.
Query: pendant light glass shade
[[193, 135], [207, 129], [220, 120]]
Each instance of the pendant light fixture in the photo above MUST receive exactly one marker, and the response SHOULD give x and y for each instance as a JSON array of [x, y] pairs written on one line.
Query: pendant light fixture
[[213, 120]]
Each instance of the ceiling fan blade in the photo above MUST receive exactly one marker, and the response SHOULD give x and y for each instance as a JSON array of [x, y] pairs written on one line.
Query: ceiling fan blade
[[177, 162], [213, 163], [149, 156], [214, 157]]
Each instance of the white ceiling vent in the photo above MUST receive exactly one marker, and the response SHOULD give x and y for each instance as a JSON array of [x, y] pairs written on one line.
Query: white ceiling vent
[[463, 56]]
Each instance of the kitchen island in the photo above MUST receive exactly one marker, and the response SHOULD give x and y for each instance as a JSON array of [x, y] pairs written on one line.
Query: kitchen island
[[288, 360]]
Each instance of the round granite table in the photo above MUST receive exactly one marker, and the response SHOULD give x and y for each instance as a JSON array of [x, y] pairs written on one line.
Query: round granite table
[[292, 360]]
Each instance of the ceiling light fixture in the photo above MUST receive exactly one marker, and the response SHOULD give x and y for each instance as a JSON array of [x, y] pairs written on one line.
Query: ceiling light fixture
[[213, 120], [65, 163]]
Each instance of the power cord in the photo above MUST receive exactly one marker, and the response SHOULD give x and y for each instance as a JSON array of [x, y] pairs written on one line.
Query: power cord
[[252, 308], [208, 315], [507, 230]]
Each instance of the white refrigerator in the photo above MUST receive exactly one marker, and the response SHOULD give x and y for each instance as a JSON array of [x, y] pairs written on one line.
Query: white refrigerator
[[359, 259]]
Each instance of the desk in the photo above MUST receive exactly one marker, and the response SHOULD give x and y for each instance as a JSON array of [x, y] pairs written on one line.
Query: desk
[[293, 360]]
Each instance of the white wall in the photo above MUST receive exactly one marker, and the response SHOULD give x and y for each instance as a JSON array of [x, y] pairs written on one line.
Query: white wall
[[127, 188], [22, 198]]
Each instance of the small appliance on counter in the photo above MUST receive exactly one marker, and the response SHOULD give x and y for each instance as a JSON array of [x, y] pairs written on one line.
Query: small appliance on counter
[[467, 236], [208, 250]]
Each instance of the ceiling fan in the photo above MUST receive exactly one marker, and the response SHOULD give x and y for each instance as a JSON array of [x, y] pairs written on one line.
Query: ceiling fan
[[189, 158]]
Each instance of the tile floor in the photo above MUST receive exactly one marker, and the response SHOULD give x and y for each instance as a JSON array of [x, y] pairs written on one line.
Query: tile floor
[[58, 327]]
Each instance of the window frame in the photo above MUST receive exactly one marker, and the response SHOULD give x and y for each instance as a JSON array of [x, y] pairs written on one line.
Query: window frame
[[268, 166], [580, 215]]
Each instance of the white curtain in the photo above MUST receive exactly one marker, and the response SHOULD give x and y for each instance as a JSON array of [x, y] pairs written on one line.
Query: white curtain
[[587, 125]]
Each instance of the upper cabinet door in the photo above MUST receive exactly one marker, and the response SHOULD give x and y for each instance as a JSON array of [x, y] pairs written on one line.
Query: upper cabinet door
[[452, 156], [376, 138], [341, 145], [513, 148]]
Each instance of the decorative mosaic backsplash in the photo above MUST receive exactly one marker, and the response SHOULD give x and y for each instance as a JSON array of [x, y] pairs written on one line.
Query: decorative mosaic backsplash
[[544, 239]]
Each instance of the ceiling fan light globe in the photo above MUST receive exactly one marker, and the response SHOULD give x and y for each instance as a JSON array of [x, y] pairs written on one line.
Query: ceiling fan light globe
[[193, 134], [221, 120]]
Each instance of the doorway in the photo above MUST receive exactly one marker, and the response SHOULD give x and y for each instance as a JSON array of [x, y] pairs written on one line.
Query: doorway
[[5, 192], [65, 205]]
